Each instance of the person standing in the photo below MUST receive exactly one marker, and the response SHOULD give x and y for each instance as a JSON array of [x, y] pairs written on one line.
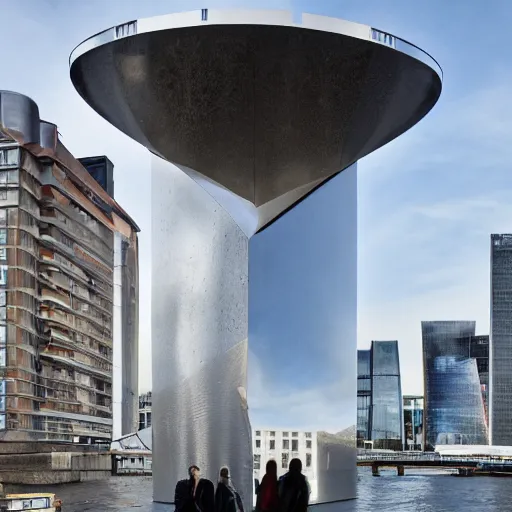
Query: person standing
[[267, 499], [293, 489], [195, 494], [227, 498]]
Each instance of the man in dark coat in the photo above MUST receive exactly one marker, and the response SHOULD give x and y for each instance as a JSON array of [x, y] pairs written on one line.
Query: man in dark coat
[[195, 494], [293, 489]]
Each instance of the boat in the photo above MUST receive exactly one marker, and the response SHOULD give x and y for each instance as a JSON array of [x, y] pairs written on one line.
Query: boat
[[34, 502]]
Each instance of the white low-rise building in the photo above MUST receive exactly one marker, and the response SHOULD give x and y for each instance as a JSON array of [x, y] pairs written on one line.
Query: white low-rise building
[[283, 446]]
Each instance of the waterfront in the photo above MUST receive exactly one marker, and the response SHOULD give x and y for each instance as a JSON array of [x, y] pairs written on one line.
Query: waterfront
[[418, 491]]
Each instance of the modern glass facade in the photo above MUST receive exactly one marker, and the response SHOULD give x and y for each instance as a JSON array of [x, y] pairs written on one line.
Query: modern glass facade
[[379, 396], [386, 410], [364, 396], [479, 350], [455, 411], [501, 341], [413, 423]]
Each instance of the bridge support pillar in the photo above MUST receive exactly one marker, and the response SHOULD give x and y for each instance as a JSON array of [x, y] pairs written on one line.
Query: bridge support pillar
[[375, 470], [400, 470]]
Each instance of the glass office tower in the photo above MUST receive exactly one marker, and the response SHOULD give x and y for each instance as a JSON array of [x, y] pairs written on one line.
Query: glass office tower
[[500, 364], [454, 399], [386, 410], [379, 397], [479, 350], [364, 396], [413, 423]]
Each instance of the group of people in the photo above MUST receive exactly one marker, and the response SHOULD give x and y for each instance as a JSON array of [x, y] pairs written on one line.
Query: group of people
[[290, 493], [197, 494]]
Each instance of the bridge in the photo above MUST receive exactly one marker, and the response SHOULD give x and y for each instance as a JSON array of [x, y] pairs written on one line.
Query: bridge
[[402, 460]]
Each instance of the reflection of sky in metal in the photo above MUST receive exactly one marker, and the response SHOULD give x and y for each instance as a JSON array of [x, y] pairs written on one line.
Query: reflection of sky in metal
[[303, 312]]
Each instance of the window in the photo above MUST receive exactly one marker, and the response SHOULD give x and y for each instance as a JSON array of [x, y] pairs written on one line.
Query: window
[[257, 461], [308, 435], [272, 444], [9, 156], [258, 433], [295, 434], [13, 177], [3, 217], [295, 445], [286, 434], [3, 334], [258, 443], [284, 460], [3, 194], [272, 433], [3, 357], [3, 274], [308, 460], [148, 419], [286, 444], [308, 444]]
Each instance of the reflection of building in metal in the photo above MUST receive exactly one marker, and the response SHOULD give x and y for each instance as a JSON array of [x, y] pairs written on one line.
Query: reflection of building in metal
[[500, 367], [364, 397], [145, 408], [61, 331], [257, 111], [283, 446], [454, 390], [379, 397], [413, 423]]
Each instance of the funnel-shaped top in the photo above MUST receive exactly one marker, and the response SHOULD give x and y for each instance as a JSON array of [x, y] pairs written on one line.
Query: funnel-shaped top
[[265, 107]]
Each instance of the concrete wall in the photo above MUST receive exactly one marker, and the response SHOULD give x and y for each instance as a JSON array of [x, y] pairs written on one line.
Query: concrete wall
[[25, 463]]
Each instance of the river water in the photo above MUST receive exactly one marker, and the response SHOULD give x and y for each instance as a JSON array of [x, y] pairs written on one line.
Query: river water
[[418, 492]]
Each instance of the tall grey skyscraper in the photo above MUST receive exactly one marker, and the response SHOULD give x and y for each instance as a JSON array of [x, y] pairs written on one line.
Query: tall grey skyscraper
[[454, 411], [379, 396], [500, 356]]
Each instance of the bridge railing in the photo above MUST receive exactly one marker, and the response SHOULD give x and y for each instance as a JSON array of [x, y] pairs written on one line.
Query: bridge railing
[[386, 456]]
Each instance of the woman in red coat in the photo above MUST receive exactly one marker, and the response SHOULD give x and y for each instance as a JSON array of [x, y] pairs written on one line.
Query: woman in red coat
[[268, 498]]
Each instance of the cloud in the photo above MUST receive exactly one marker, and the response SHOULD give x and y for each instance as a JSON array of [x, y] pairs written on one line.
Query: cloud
[[428, 204]]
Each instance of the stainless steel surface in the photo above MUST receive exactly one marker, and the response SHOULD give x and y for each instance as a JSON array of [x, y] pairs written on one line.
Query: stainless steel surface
[[265, 107], [303, 334], [199, 335]]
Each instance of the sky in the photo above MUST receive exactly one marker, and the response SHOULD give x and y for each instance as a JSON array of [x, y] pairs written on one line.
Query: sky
[[427, 202]]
